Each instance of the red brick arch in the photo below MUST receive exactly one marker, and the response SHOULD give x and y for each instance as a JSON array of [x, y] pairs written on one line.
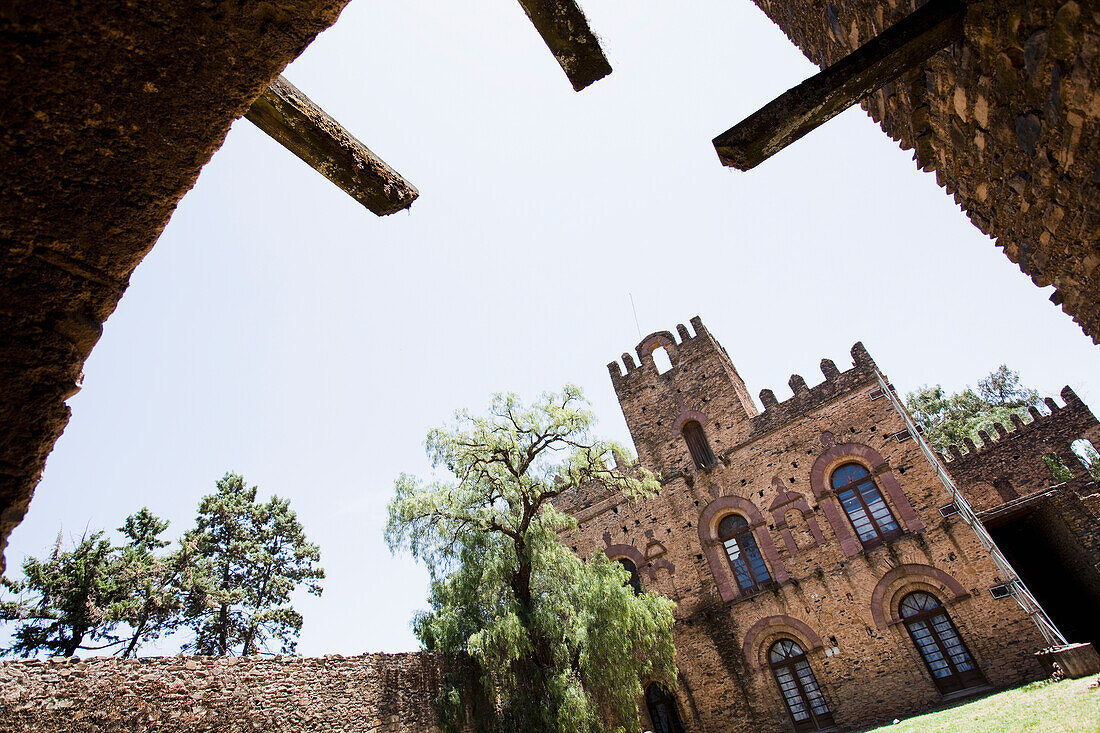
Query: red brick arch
[[803, 634], [877, 465], [882, 608], [685, 417]]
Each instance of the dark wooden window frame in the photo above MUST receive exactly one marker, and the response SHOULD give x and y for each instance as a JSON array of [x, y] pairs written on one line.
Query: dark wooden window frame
[[742, 536], [657, 694], [854, 486], [817, 721], [966, 679], [698, 445]]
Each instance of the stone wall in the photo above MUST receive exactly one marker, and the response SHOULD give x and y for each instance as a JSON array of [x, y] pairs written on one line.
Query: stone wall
[[833, 594], [1009, 119], [1008, 464], [374, 692]]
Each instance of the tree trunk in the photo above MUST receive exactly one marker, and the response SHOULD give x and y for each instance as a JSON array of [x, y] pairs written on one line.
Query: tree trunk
[[223, 630], [74, 641]]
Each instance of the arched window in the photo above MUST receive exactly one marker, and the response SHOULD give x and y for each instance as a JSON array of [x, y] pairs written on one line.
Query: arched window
[[635, 581], [743, 553], [938, 641], [1088, 455], [661, 360], [697, 444], [799, 687], [662, 708], [864, 505]]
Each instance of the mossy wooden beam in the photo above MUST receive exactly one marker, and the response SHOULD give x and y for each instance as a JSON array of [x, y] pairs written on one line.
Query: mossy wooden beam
[[306, 130], [903, 46], [563, 27]]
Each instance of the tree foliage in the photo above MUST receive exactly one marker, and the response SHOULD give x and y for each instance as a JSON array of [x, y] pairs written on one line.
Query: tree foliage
[[64, 603], [152, 587], [560, 643], [252, 555], [229, 580], [949, 419]]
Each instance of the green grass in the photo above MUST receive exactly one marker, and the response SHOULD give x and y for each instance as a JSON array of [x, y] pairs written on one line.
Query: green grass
[[1070, 706]]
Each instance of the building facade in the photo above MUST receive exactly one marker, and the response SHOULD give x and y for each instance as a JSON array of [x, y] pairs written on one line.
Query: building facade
[[821, 578]]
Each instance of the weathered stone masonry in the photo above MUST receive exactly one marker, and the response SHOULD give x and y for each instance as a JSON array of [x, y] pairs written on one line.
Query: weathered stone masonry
[[111, 110], [838, 597], [374, 692], [1009, 119]]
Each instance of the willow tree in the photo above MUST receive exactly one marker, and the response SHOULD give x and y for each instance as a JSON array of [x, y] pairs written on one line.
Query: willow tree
[[558, 643]]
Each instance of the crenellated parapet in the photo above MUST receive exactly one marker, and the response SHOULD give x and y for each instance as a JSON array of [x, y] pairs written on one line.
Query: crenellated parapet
[[1010, 463], [805, 398], [699, 385]]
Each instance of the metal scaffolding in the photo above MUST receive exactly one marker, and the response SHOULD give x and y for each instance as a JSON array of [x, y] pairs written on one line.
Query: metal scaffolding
[[1016, 586]]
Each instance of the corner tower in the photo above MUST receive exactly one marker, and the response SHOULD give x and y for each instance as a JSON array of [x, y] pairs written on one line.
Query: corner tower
[[690, 413]]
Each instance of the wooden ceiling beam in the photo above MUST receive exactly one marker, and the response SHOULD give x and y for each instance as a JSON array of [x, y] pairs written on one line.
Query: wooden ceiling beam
[[901, 47], [306, 130], [563, 27]]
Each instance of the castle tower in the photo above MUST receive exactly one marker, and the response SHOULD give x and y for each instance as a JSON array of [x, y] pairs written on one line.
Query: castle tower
[[691, 413]]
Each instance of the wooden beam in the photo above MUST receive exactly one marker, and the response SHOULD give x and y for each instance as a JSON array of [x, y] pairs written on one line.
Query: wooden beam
[[563, 27], [902, 46], [306, 130]]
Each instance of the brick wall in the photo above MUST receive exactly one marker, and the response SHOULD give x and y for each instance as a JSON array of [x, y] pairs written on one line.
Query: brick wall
[[835, 597], [375, 692], [1008, 463]]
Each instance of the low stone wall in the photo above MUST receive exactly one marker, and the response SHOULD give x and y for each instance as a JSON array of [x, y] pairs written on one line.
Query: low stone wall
[[374, 692]]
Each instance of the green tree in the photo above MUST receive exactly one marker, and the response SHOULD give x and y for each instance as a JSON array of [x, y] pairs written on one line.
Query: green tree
[[252, 556], [63, 604], [560, 644], [152, 587], [948, 420]]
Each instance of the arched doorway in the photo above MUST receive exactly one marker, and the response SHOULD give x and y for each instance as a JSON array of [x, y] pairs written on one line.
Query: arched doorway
[[663, 711], [805, 703], [945, 654]]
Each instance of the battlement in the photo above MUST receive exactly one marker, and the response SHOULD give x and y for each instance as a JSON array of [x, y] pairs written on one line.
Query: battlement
[[1053, 421], [1012, 463], [804, 398], [652, 342]]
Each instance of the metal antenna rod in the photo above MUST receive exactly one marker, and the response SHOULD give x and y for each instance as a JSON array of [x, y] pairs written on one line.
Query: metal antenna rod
[[635, 316]]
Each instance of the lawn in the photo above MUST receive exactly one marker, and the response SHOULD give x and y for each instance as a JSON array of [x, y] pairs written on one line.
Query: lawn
[[1070, 706]]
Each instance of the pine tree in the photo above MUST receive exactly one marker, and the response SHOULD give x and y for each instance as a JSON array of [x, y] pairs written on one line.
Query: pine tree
[[152, 587], [64, 603], [251, 557]]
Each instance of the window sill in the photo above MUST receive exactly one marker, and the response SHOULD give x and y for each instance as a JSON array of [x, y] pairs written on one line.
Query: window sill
[[968, 692], [756, 590], [884, 541]]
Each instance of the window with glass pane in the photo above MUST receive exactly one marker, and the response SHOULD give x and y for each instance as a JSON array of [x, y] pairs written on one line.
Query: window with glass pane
[[743, 553], [698, 445], [798, 685], [863, 503], [663, 711], [938, 641]]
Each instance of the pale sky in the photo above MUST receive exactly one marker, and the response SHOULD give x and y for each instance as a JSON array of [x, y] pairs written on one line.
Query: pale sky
[[280, 330]]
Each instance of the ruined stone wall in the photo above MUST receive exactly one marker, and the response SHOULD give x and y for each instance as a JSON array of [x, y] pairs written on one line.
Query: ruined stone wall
[[835, 597], [374, 692], [1009, 119], [111, 110], [1009, 464]]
